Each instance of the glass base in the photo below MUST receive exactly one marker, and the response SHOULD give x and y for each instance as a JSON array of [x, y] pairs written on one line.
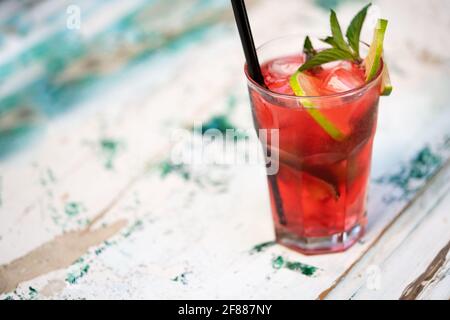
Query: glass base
[[318, 245]]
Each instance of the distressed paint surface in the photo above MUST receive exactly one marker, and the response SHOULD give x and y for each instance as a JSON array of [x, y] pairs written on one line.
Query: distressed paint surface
[[86, 119]]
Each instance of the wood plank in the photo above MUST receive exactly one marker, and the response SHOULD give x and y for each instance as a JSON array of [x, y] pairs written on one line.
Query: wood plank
[[433, 283], [438, 287], [407, 247]]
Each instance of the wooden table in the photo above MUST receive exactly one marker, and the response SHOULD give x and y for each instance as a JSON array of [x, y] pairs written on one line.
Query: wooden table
[[91, 205]]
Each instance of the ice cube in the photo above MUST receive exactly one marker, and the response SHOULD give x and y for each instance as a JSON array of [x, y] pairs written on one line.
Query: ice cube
[[347, 65], [341, 80], [284, 68]]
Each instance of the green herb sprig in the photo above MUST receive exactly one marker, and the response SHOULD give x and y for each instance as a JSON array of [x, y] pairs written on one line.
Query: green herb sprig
[[340, 49]]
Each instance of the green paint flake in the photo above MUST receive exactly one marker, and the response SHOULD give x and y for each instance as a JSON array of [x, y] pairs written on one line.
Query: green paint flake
[[102, 248], [305, 269], [223, 124], [329, 4], [219, 122], [47, 177], [73, 208], [79, 260], [83, 222], [446, 144], [18, 295], [134, 227], [181, 278], [231, 102], [262, 246], [411, 177], [109, 148], [32, 292], [50, 175], [98, 251], [280, 262], [73, 277], [167, 167]]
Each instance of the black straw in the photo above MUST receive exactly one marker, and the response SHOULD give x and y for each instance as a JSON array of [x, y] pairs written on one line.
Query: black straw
[[254, 70], [243, 25]]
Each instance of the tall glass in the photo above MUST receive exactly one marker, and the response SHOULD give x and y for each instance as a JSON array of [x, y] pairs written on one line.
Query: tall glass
[[318, 196]]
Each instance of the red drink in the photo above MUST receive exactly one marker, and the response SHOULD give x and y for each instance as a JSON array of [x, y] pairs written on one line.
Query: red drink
[[319, 193]]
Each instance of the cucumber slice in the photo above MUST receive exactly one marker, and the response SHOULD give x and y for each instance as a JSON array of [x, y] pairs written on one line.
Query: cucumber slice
[[373, 60], [386, 86], [302, 85]]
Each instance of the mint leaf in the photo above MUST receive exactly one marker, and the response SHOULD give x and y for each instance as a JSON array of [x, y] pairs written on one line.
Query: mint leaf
[[330, 41], [308, 49], [354, 29], [325, 56], [338, 38]]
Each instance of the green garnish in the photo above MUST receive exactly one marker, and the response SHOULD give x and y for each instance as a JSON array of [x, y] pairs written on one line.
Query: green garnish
[[373, 59], [337, 34], [330, 41], [354, 29], [308, 49], [341, 50], [303, 85], [325, 56], [386, 86]]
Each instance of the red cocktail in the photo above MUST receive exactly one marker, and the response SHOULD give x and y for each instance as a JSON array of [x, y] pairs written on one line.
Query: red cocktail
[[319, 193]]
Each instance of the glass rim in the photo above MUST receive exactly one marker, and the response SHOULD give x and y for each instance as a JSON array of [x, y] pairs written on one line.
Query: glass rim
[[353, 91]]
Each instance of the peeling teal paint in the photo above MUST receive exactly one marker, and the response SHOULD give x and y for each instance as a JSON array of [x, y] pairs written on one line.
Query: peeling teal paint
[[98, 251], [167, 167], [137, 225], [110, 148], [105, 245], [222, 123], [277, 262], [412, 176], [17, 138], [79, 260], [136, 41], [231, 103], [83, 222], [74, 208], [218, 122], [73, 277], [47, 177], [32, 292], [262, 246], [330, 4], [305, 269], [182, 278]]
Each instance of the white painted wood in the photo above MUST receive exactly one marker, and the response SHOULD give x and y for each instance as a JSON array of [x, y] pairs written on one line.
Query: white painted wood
[[405, 250], [193, 228]]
